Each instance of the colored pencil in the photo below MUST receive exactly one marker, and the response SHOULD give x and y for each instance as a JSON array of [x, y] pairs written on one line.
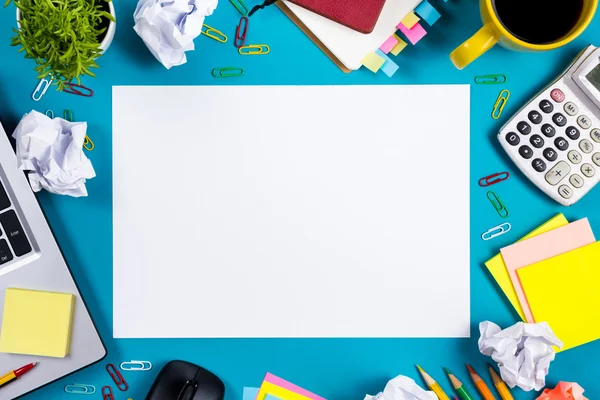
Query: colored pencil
[[13, 375], [460, 389], [433, 385], [500, 385], [483, 389]]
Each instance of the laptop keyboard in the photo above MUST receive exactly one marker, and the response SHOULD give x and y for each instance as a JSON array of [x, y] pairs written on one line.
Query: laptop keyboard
[[11, 231]]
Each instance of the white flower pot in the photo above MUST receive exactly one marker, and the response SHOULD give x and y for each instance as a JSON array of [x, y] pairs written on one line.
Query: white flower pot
[[110, 32]]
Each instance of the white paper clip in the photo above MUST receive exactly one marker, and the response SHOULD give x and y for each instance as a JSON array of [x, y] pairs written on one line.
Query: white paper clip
[[135, 365], [78, 388], [496, 231], [41, 89]]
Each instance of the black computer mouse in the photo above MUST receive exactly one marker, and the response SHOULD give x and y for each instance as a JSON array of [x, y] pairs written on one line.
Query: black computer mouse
[[181, 380]]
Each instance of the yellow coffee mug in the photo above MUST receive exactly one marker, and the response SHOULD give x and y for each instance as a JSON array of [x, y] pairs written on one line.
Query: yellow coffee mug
[[494, 32]]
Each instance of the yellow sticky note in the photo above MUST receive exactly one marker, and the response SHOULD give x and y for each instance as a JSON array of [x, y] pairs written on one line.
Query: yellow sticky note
[[410, 20], [267, 388], [399, 46], [563, 291], [37, 323], [498, 269], [373, 62]]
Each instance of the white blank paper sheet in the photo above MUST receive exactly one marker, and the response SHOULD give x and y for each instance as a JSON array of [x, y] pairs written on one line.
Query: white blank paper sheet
[[287, 211]]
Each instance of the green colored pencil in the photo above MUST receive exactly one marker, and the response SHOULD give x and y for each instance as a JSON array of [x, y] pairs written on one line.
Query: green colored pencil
[[460, 389]]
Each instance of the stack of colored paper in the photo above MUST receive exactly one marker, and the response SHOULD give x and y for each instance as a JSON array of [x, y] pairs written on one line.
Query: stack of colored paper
[[553, 275], [275, 388]]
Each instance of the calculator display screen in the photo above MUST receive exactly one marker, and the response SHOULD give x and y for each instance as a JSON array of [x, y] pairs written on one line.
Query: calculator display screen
[[594, 77]]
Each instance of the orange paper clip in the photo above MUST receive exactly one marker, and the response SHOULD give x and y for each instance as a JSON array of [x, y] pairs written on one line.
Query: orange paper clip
[[493, 179], [240, 33], [107, 393], [117, 377]]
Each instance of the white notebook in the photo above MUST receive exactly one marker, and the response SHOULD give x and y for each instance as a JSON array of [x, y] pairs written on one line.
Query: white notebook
[[348, 45], [291, 211]]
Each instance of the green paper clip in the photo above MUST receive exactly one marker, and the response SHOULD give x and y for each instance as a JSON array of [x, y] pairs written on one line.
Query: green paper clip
[[228, 72], [490, 79], [49, 114], [500, 104], [498, 204], [68, 115], [240, 6]]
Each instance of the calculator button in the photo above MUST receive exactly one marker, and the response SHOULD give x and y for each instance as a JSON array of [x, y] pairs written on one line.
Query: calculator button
[[557, 95], [588, 170], [595, 134], [584, 122], [574, 156], [546, 106], [571, 109], [550, 154], [596, 159], [524, 128], [559, 119], [586, 146], [576, 181], [561, 143], [537, 141], [558, 173], [535, 117], [513, 138], [572, 133], [539, 165], [565, 191], [548, 130], [526, 152]]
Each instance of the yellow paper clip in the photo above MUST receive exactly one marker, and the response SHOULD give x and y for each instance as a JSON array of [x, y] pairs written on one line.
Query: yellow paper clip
[[500, 103], [254, 49], [498, 204], [213, 33], [88, 144], [496, 231], [490, 79], [50, 114]]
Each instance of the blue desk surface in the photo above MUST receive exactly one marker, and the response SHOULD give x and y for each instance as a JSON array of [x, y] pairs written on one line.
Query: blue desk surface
[[335, 369]]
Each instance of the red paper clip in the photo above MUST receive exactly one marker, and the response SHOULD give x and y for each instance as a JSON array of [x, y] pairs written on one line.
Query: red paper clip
[[107, 393], [240, 40], [79, 90], [117, 377], [493, 179]]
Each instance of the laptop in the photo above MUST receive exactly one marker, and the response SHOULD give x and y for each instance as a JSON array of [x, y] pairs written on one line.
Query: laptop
[[31, 259]]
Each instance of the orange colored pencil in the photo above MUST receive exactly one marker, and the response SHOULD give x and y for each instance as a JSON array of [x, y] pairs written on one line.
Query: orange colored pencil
[[500, 385], [483, 389]]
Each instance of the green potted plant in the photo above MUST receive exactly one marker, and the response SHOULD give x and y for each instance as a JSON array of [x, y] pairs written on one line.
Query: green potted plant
[[64, 37]]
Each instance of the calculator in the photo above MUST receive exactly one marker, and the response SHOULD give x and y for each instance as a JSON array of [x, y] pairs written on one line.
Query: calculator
[[555, 138]]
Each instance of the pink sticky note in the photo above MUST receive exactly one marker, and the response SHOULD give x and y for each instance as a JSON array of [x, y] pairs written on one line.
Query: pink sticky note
[[413, 34], [564, 391], [389, 44], [542, 247], [290, 386]]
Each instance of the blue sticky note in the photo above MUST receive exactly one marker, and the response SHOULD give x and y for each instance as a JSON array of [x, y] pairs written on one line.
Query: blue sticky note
[[389, 67], [427, 12], [251, 393]]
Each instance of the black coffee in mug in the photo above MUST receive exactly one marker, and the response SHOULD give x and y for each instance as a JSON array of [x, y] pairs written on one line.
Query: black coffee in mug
[[539, 21]]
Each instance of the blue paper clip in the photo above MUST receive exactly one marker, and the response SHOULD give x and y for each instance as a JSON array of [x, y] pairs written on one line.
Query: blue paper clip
[[78, 388], [41, 89], [496, 231], [49, 114], [135, 365]]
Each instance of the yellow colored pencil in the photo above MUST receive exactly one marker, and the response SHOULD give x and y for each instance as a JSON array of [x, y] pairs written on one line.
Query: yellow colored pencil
[[433, 385], [500, 385], [483, 389]]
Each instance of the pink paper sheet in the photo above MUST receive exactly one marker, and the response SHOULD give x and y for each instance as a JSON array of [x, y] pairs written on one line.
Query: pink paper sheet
[[542, 247], [290, 386], [413, 34]]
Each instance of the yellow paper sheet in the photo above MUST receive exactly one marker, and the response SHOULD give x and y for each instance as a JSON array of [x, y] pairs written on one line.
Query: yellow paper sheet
[[498, 269], [564, 291], [373, 62], [37, 323], [410, 20], [281, 393], [399, 46]]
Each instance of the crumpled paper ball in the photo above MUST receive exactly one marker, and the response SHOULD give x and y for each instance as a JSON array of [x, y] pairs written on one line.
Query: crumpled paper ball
[[564, 391], [523, 352], [403, 388], [169, 27]]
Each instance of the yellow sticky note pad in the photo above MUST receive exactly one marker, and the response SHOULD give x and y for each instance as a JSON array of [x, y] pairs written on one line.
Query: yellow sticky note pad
[[373, 62], [410, 20], [498, 269], [267, 388], [399, 46], [37, 323], [563, 291]]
